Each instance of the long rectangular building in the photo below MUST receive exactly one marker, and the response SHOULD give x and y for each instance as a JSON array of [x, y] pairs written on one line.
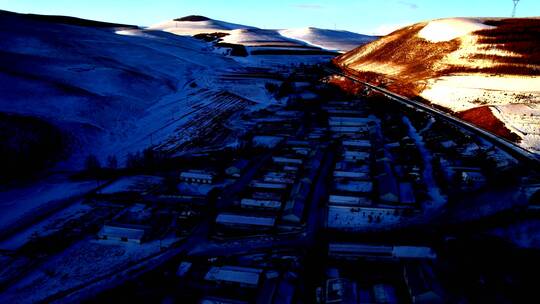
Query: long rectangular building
[[241, 222]]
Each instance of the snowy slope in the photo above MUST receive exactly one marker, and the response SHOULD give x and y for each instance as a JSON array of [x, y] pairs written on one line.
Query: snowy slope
[[341, 41], [462, 64], [112, 91]]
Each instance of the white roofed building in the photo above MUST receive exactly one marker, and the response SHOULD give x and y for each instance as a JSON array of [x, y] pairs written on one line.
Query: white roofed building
[[197, 176], [244, 276]]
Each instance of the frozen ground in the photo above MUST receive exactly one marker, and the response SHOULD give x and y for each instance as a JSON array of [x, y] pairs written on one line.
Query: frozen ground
[[113, 91], [23, 205], [75, 267], [44, 227]]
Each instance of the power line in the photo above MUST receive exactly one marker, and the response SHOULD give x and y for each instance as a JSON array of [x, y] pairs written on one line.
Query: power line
[[516, 2]]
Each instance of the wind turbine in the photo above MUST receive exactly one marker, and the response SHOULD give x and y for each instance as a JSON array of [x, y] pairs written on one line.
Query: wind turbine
[[516, 2]]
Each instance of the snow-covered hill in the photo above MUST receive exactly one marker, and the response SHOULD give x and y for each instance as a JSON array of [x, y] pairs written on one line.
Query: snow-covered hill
[[341, 41], [116, 90], [307, 38], [193, 25], [473, 67]]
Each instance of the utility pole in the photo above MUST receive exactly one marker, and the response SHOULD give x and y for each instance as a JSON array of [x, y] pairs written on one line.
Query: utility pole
[[516, 2]]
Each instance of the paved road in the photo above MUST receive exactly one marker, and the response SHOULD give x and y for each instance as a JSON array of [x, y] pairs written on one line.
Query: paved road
[[516, 151]]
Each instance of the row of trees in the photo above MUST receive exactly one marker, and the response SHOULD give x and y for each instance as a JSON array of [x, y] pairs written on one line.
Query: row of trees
[[146, 159]]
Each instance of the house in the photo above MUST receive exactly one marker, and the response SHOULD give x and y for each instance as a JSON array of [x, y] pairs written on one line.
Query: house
[[287, 160], [237, 168], [217, 300], [473, 178], [277, 289], [266, 141], [361, 144], [123, 232], [197, 177], [268, 185], [294, 208], [236, 275], [350, 155], [351, 175], [183, 269], [413, 252], [340, 291], [355, 251], [388, 188], [348, 130], [343, 121], [278, 177], [248, 203], [359, 187], [343, 200], [385, 293], [245, 222], [406, 193], [353, 218]]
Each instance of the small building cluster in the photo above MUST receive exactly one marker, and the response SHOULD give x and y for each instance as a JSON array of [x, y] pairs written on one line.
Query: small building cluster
[[374, 178], [368, 273], [269, 278], [277, 196]]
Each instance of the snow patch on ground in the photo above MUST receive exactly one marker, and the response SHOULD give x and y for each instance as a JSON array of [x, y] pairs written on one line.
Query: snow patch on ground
[[449, 29], [463, 92], [522, 119]]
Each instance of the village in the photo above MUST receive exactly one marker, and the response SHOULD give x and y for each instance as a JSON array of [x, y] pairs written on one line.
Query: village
[[324, 200]]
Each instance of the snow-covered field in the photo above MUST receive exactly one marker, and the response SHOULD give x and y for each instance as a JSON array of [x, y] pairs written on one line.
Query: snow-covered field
[[464, 92], [75, 267], [341, 41], [22, 205]]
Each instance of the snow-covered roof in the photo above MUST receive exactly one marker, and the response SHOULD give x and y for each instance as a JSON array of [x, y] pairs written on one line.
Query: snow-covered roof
[[195, 174], [287, 160], [268, 185], [348, 200], [130, 233], [413, 252], [254, 203], [351, 174], [238, 219], [355, 186], [235, 274]]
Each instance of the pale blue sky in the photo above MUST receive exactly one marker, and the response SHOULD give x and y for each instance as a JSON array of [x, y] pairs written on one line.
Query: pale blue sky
[[364, 16]]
